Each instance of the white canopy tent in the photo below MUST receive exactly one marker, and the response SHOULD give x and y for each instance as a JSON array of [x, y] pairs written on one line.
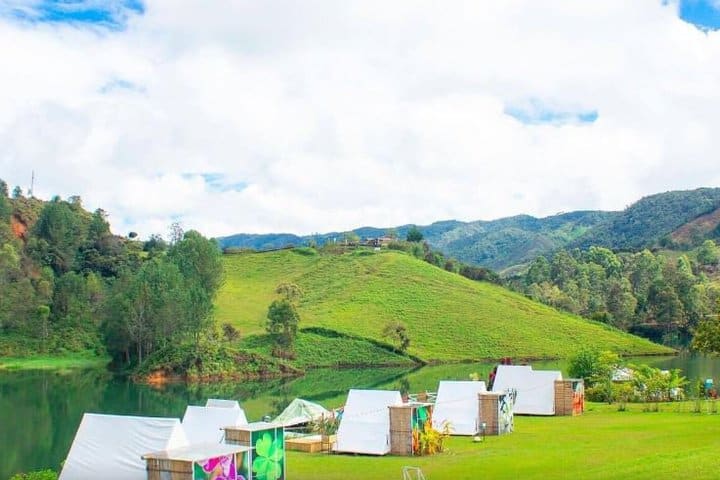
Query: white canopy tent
[[365, 423], [111, 446], [221, 403], [301, 411], [205, 424], [535, 388], [457, 404]]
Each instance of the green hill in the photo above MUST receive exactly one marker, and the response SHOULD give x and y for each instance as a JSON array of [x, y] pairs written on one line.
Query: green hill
[[448, 317]]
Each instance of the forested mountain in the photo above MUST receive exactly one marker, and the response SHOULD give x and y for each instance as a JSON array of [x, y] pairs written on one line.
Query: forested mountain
[[651, 221], [662, 295], [681, 219], [69, 285]]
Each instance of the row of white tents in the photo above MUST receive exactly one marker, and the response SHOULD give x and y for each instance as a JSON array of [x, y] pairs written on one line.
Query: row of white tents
[[365, 423], [111, 446]]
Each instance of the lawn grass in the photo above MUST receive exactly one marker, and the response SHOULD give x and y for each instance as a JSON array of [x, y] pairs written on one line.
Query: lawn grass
[[41, 362], [448, 317], [603, 443]]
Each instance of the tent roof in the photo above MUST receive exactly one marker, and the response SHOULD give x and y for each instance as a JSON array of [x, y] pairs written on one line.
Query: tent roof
[[111, 446], [457, 404], [221, 403], [535, 388], [193, 453], [365, 424], [301, 411], [205, 424]]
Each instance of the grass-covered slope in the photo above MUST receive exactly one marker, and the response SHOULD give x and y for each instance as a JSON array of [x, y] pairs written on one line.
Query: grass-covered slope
[[448, 317]]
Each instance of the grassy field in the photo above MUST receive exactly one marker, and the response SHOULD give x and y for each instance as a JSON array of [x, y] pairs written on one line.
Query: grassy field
[[448, 317], [601, 444], [315, 350], [51, 363]]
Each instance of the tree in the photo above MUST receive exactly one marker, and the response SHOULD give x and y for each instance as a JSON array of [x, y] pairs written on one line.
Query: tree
[[584, 364], [199, 261], [539, 271], [146, 310], [397, 332], [414, 235], [176, 233], [562, 268], [708, 254], [707, 336], [283, 318], [350, 238], [606, 259], [289, 291], [155, 244], [60, 231], [17, 192], [282, 321], [5, 208]]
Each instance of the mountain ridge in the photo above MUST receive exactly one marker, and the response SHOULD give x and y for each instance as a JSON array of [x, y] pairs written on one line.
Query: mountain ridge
[[510, 241]]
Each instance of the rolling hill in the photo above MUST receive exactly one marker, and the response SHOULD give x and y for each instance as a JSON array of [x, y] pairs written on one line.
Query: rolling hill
[[448, 317], [684, 218]]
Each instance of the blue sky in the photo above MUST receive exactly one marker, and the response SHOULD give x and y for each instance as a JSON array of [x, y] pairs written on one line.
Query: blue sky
[[704, 14], [110, 13], [114, 13]]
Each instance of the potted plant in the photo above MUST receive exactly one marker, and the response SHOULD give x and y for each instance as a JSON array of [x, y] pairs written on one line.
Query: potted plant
[[326, 426]]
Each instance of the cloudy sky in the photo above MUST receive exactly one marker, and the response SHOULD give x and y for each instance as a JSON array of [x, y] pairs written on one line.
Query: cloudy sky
[[278, 115]]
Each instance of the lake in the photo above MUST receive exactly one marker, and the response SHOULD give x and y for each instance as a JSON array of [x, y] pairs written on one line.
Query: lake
[[40, 410]]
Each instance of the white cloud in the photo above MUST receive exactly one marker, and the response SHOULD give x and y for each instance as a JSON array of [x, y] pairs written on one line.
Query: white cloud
[[341, 114]]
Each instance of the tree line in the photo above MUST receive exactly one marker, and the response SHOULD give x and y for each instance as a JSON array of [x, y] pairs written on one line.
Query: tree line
[[70, 285], [660, 296]]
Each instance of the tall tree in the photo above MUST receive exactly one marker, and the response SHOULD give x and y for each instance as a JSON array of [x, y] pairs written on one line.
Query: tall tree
[[414, 235], [199, 261]]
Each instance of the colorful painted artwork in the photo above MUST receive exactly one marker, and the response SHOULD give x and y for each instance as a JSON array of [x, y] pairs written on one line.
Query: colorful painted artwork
[[505, 412], [578, 397], [268, 456], [421, 418], [218, 468]]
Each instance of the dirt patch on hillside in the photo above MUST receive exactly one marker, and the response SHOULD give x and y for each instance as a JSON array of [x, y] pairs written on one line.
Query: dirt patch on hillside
[[19, 228], [698, 228]]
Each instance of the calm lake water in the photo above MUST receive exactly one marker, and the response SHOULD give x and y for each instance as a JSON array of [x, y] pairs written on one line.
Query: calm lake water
[[40, 410]]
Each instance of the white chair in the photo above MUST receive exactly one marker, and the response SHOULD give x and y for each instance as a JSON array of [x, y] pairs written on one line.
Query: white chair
[[412, 473]]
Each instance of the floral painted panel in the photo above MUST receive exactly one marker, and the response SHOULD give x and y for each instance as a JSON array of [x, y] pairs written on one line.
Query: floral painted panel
[[218, 468]]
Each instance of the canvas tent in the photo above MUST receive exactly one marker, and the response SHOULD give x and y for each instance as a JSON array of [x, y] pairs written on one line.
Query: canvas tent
[[457, 404], [205, 424], [535, 388], [221, 403], [365, 424], [301, 411], [111, 446]]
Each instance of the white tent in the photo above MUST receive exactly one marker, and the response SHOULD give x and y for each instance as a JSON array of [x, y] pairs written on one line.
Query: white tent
[[457, 404], [535, 388], [111, 446], [205, 424], [365, 423], [301, 411], [221, 403]]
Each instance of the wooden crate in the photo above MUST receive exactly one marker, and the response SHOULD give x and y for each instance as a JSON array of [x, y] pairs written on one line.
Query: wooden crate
[[569, 397], [310, 445], [165, 469], [401, 429]]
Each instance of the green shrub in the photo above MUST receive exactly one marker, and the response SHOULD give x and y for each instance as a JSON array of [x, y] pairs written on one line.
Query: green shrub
[[38, 475]]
